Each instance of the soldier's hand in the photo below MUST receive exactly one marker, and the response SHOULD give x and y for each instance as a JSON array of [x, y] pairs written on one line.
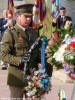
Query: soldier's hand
[[25, 57]]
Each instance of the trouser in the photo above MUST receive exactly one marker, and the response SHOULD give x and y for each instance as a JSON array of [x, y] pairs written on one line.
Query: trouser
[[16, 93]]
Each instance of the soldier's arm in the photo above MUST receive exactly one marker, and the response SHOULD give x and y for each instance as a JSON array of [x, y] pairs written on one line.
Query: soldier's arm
[[6, 50]]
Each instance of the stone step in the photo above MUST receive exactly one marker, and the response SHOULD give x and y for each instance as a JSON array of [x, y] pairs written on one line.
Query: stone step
[[62, 76]]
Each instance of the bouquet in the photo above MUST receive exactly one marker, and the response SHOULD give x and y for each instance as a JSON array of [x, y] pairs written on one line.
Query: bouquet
[[54, 45], [69, 54], [66, 50], [59, 54], [37, 85], [66, 55], [69, 58]]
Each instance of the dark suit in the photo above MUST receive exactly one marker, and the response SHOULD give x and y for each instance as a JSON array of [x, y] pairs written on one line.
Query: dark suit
[[60, 22], [3, 21]]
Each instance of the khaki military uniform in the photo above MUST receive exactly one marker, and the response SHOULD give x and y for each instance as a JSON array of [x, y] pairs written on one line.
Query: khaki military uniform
[[13, 50]]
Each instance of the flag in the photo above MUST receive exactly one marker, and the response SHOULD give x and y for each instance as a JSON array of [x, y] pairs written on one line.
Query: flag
[[55, 8], [10, 10], [39, 11]]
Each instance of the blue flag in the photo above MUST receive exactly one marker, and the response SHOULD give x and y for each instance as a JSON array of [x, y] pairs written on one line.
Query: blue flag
[[55, 8]]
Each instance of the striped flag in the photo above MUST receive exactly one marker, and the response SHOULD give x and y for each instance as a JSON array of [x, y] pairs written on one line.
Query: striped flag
[[11, 11], [55, 8], [39, 11]]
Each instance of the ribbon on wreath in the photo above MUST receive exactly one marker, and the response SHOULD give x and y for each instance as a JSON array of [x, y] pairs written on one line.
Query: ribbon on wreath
[[45, 79]]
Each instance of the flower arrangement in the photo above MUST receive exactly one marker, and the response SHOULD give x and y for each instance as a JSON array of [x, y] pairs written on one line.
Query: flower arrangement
[[37, 85], [67, 55], [62, 51], [69, 58], [54, 44], [59, 54]]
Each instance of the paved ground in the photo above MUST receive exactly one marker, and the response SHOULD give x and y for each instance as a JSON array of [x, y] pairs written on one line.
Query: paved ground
[[53, 95]]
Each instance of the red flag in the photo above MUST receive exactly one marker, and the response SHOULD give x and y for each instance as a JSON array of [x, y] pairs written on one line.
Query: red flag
[[11, 10]]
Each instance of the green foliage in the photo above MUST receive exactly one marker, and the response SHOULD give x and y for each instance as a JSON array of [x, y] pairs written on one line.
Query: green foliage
[[62, 33], [69, 56], [58, 65], [52, 50]]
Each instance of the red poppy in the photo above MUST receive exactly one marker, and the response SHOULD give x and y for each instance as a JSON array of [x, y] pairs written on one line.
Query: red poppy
[[68, 48], [72, 44], [73, 49]]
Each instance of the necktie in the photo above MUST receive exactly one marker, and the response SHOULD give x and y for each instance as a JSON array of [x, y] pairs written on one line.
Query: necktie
[[62, 18], [27, 33]]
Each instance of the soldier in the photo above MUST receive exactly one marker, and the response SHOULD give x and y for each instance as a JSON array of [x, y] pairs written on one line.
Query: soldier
[[61, 19], [15, 43]]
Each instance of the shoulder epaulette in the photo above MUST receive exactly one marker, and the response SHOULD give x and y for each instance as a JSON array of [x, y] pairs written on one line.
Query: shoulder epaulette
[[9, 29]]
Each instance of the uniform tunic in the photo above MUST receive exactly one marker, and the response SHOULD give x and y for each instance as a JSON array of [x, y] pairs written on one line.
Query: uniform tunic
[[13, 48]]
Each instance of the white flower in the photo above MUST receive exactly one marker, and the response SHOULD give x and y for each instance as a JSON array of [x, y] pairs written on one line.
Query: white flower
[[33, 92], [58, 55], [36, 73], [71, 57], [28, 94]]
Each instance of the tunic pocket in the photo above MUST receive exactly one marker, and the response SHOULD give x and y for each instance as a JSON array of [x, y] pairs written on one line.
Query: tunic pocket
[[21, 48]]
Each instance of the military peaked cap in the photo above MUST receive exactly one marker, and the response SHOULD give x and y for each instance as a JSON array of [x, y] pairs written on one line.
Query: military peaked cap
[[25, 9], [62, 8]]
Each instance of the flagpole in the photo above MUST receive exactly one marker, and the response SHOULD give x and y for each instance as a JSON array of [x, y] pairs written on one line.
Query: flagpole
[[8, 4]]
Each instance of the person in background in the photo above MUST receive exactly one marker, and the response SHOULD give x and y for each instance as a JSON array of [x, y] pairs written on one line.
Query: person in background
[[61, 19], [3, 22], [3, 27]]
